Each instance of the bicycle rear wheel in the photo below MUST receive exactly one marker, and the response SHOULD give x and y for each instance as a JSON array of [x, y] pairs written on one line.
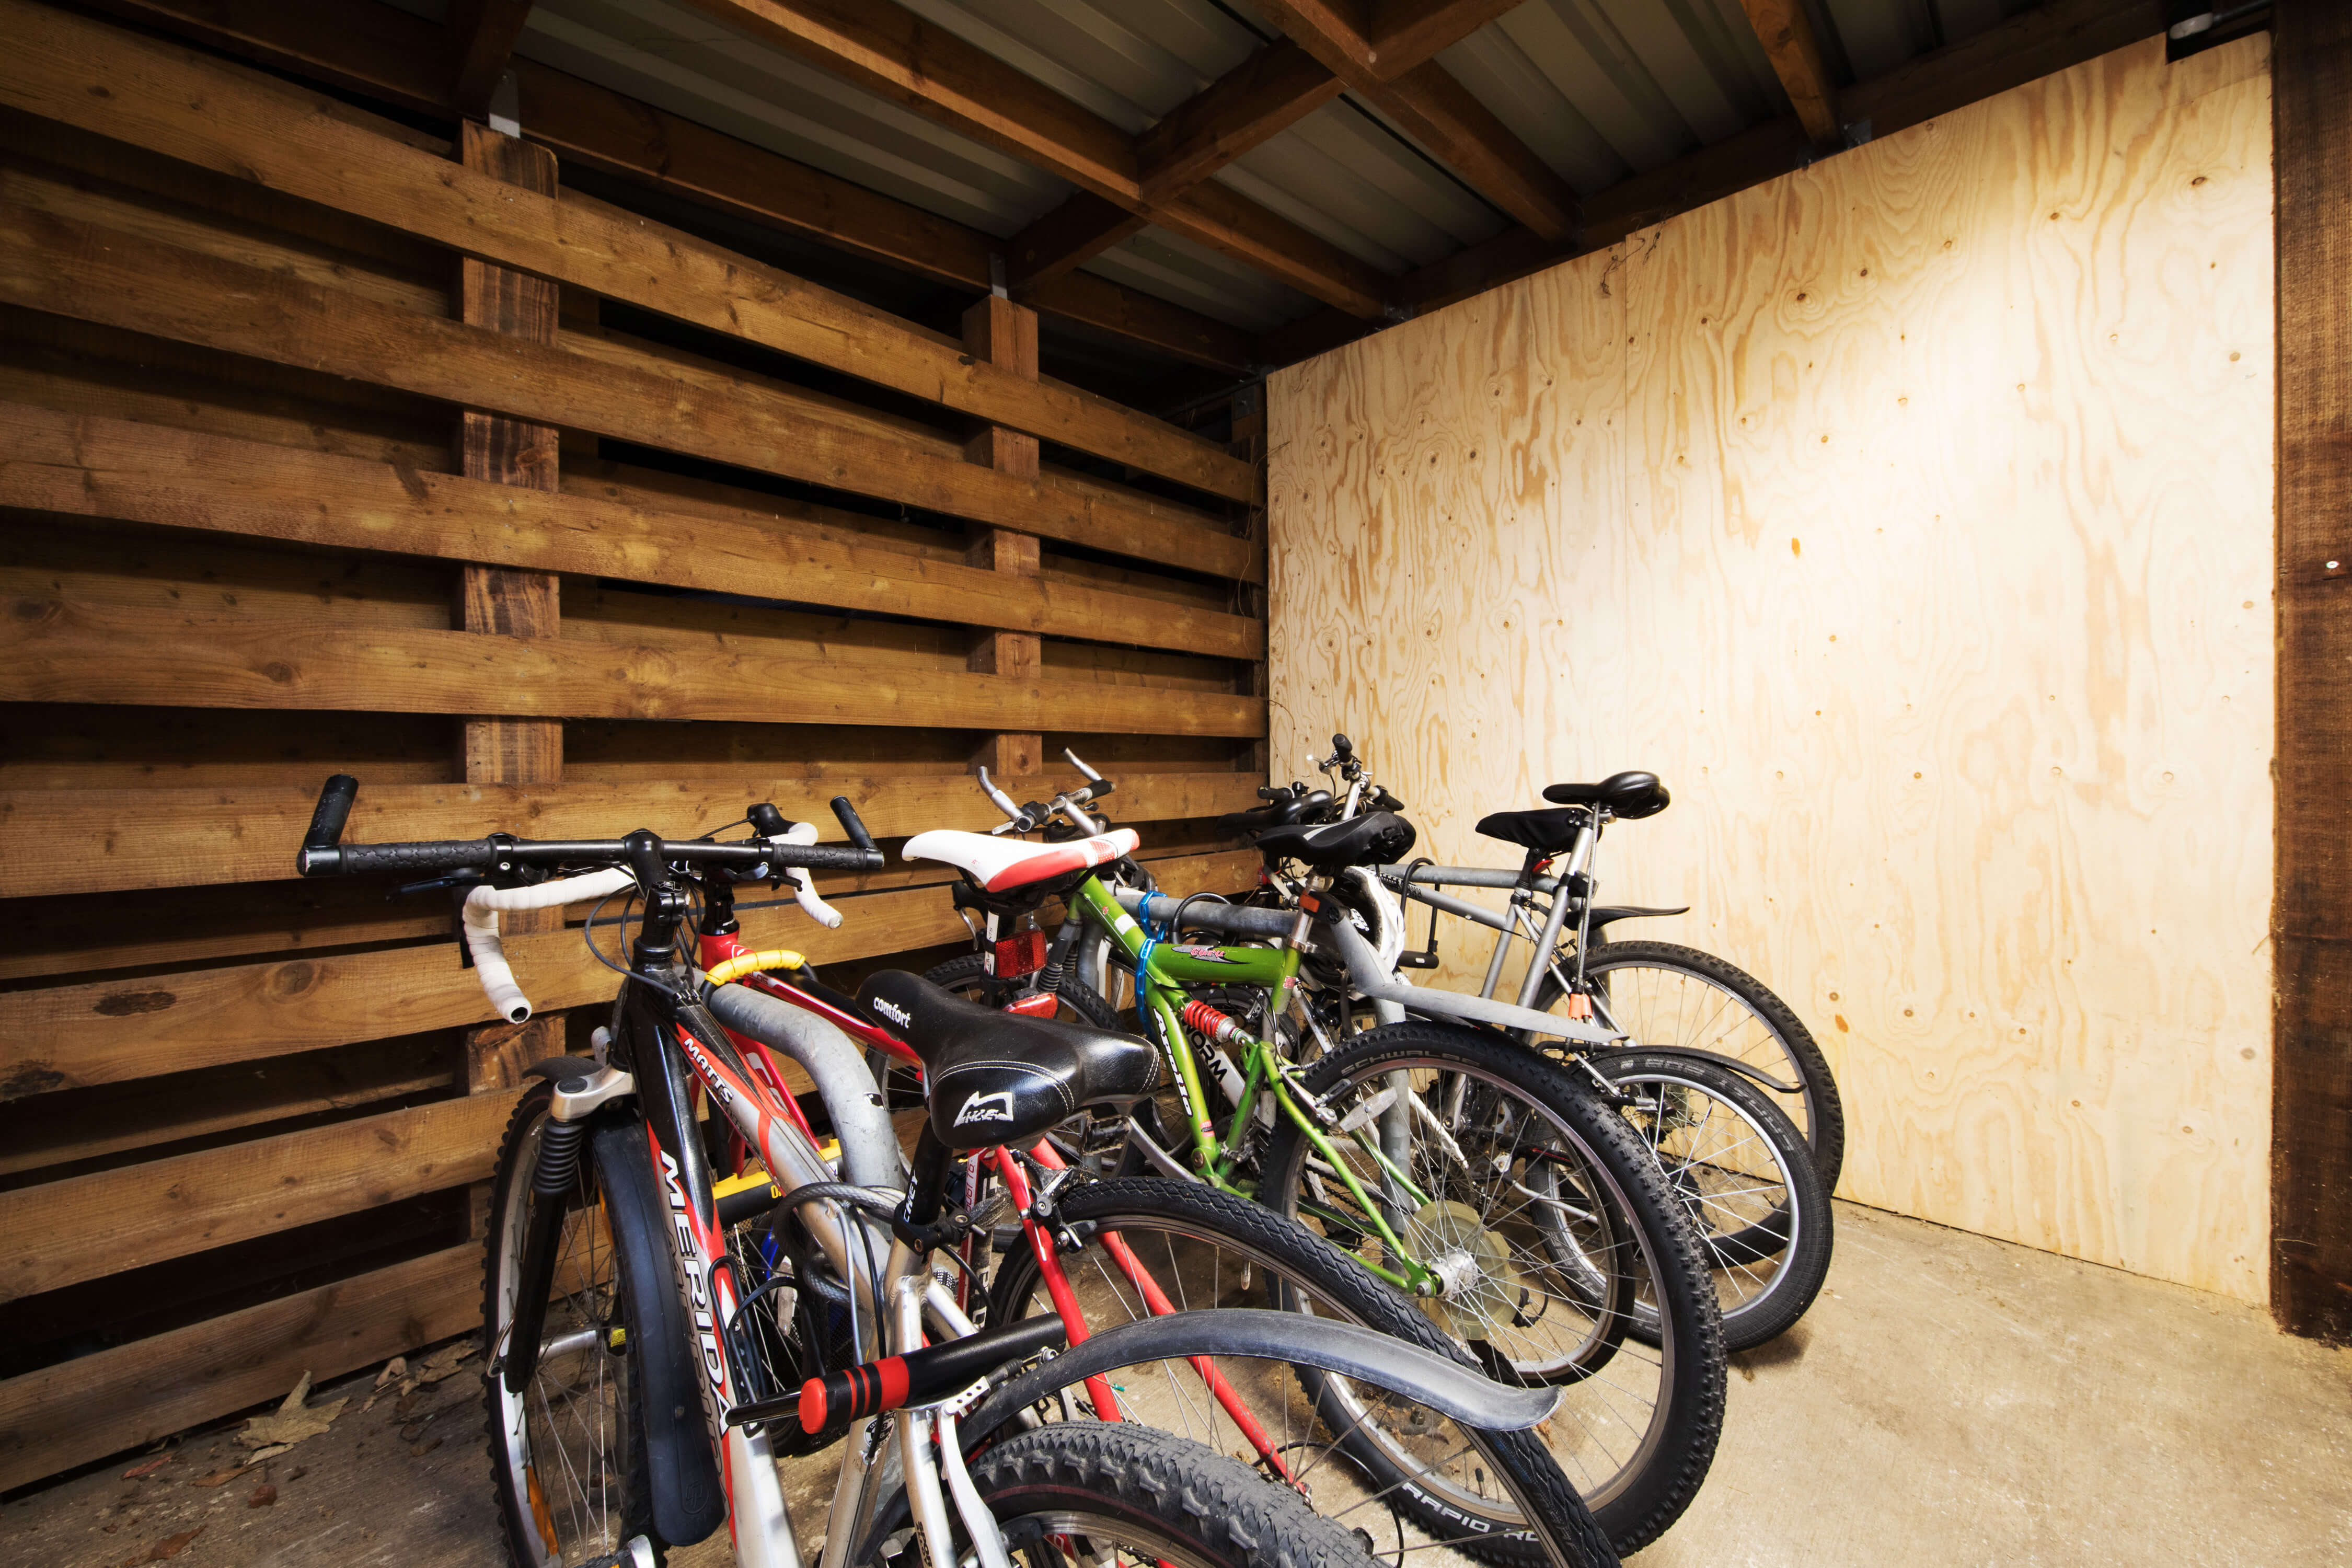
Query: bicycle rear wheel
[[1548, 1223], [1663, 994], [1496, 1496]]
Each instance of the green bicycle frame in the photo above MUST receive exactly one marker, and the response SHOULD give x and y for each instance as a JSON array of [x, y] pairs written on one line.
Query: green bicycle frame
[[1162, 970]]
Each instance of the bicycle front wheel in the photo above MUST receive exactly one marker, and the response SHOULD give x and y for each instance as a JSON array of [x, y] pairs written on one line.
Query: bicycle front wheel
[[1406, 1479], [1548, 1224]]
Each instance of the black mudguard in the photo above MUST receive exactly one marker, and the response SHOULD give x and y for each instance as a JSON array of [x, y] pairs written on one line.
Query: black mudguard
[[689, 1503]]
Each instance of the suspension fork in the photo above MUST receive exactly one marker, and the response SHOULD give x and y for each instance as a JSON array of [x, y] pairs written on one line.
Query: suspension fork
[[1155, 1300]]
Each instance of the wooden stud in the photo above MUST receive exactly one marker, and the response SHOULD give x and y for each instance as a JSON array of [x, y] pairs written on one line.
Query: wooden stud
[[2310, 914], [483, 33], [1005, 335], [498, 600]]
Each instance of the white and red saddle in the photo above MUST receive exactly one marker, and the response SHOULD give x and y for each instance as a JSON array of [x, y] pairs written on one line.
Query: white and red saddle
[[997, 864]]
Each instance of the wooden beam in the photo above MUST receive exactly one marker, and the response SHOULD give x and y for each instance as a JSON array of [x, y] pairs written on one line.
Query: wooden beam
[[1437, 112], [1073, 234], [96, 76], [246, 834], [483, 34], [2311, 912], [1259, 99], [97, 467], [133, 1395], [1403, 33], [2029, 45], [84, 271], [57, 651], [890, 51], [1786, 31], [61, 1233], [393, 56], [68, 1037]]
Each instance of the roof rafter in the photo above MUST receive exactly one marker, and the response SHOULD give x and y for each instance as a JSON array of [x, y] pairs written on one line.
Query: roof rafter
[[1431, 107], [1786, 32], [396, 57], [484, 33]]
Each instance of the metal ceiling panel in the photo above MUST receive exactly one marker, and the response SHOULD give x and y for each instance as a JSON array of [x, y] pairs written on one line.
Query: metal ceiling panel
[[1599, 88]]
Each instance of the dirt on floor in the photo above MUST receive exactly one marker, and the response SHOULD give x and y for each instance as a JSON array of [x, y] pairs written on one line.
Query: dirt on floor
[[1948, 1400]]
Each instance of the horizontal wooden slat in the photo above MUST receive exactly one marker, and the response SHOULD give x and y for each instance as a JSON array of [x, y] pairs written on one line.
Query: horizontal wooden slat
[[95, 466], [61, 1233], [166, 838], [93, 1405], [166, 1110], [220, 117], [97, 274], [54, 651], [72, 1036]]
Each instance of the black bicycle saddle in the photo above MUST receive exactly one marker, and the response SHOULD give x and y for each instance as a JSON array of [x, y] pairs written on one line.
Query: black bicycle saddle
[[1375, 838], [1274, 813], [1629, 796], [1000, 1077]]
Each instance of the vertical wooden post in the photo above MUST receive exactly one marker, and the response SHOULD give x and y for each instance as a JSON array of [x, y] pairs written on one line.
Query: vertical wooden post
[[1255, 757], [1004, 334], [2310, 914], [495, 600]]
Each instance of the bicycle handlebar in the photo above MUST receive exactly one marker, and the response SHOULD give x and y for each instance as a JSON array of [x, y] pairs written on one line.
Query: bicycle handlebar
[[321, 856]]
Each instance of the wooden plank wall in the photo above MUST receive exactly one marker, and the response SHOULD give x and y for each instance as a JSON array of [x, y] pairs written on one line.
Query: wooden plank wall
[[243, 546], [1911, 516]]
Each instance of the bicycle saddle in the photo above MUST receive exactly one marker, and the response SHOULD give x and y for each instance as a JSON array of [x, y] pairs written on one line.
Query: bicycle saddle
[[1546, 832], [995, 1077], [1372, 839], [1274, 814], [1629, 796], [998, 863]]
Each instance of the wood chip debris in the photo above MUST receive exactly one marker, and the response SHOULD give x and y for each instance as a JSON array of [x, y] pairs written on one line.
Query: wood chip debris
[[150, 1467], [169, 1547], [444, 1363], [263, 1496]]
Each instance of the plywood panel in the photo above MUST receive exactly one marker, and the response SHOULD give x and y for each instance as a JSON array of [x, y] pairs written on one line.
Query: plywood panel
[[1911, 515]]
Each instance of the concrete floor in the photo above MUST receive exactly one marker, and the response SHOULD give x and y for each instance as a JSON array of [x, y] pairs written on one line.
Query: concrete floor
[[1948, 1400]]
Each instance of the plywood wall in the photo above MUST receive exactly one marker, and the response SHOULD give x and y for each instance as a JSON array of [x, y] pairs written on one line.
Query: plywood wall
[[1912, 516]]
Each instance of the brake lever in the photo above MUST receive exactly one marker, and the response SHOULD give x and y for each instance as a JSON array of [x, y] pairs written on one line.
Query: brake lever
[[466, 877]]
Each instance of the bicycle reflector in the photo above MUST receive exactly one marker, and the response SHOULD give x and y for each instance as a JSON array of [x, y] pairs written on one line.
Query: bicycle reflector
[[1023, 953]]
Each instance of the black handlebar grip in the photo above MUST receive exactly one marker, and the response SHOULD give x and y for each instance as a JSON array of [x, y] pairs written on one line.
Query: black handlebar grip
[[1342, 746], [334, 809], [767, 821], [922, 1377], [854, 826], [437, 855], [1101, 788], [1273, 792]]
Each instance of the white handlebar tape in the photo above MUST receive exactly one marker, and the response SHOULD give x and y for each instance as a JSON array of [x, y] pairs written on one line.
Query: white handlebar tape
[[481, 925], [816, 909]]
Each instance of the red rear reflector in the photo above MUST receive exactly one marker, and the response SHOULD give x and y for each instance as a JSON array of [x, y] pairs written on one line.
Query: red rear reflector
[[1023, 952], [1041, 1006]]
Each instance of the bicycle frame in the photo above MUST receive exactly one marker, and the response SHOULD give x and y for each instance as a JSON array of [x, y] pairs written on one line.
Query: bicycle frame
[[1161, 969]]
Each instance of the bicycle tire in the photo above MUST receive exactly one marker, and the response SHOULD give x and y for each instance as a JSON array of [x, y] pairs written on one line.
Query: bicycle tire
[[1715, 1174], [1157, 1497], [1309, 1273], [1792, 1054], [541, 1525], [1658, 1468]]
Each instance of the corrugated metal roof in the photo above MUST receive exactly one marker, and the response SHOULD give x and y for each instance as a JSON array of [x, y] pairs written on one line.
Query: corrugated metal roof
[[1599, 88]]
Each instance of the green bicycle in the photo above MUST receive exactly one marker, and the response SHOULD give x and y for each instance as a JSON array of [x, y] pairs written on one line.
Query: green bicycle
[[1506, 1196]]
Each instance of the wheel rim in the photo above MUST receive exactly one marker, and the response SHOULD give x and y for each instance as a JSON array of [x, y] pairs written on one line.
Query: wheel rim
[[565, 1433], [1198, 1269], [1562, 1218]]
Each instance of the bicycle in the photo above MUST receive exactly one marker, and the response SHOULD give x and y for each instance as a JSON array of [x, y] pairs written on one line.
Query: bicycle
[[630, 1360], [1607, 1234]]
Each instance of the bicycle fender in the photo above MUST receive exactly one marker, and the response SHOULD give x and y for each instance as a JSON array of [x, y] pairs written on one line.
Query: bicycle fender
[[1443, 1384], [688, 1501]]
